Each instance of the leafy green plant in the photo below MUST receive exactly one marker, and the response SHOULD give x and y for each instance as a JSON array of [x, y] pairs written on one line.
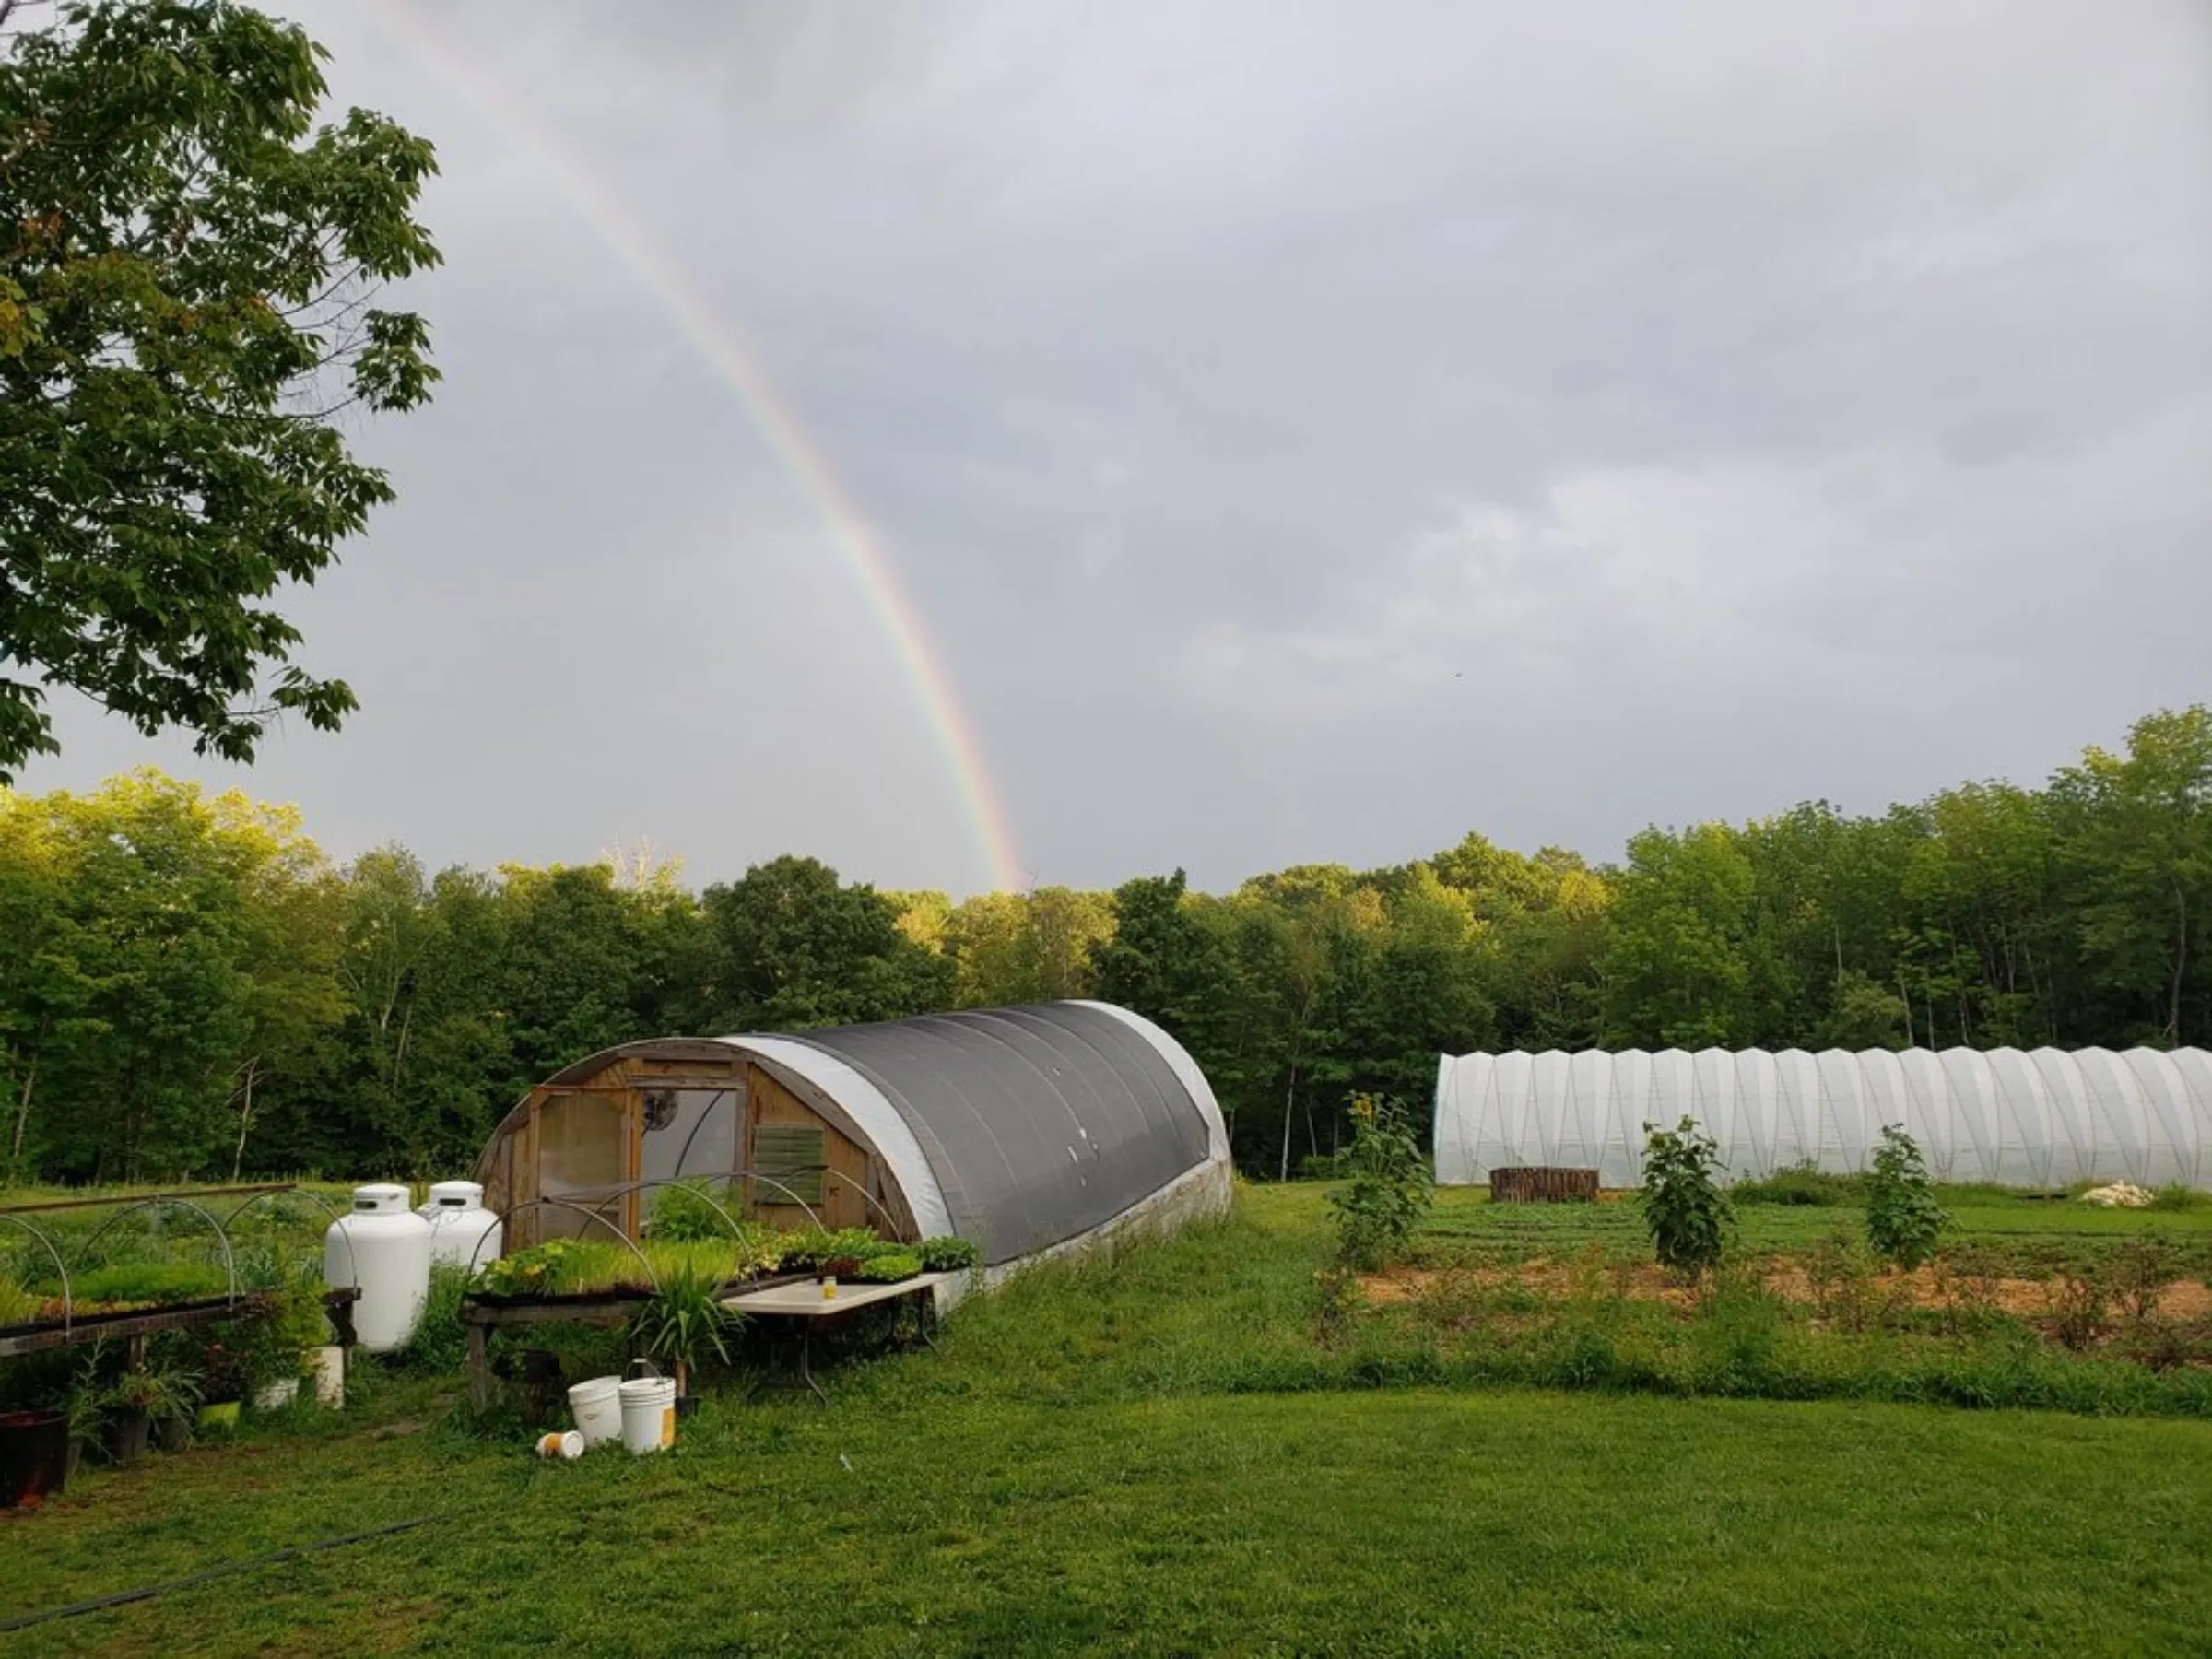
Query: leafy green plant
[[1904, 1222], [164, 1393], [2177, 1195], [563, 1268], [17, 1305], [813, 1249], [1389, 1193], [948, 1255], [684, 1321], [890, 1268], [1684, 1209], [688, 1214]]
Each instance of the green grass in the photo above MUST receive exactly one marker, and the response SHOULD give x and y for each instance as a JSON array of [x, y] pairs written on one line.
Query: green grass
[[1157, 1456]]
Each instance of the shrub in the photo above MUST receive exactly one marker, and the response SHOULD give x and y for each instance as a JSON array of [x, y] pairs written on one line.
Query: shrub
[[1904, 1219], [889, 1269], [2080, 1308], [1390, 1191], [2176, 1195], [1841, 1276], [1803, 1184], [948, 1255], [1684, 1209], [441, 1340], [2138, 1271]]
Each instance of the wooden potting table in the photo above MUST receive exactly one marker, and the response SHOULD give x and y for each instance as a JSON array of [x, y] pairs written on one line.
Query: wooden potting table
[[805, 1302]]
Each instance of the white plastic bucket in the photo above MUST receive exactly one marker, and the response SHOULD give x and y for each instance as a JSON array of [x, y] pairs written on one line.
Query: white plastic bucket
[[329, 1367], [568, 1447], [275, 1396], [649, 1415], [597, 1408]]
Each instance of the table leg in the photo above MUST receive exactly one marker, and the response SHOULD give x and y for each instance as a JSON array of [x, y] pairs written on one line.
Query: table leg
[[480, 1377], [807, 1370]]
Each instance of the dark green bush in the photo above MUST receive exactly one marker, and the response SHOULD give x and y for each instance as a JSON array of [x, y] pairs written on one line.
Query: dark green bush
[[1803, 1184]]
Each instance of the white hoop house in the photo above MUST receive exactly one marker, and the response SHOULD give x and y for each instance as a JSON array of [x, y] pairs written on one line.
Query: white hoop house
[[2043, 1118]]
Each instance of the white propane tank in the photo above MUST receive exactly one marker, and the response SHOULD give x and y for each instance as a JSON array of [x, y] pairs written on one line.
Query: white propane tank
[[384, 1248], [463, 1232]]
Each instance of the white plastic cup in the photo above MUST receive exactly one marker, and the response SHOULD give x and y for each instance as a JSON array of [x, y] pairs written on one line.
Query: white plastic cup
[[597, 1407], [568, 1446], [648, 1415]]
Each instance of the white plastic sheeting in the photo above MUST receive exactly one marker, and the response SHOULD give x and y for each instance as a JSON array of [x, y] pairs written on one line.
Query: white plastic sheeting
[[2043, 1118]]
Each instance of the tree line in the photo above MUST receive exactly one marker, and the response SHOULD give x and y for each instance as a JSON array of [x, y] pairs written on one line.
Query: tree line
[[190, 987]]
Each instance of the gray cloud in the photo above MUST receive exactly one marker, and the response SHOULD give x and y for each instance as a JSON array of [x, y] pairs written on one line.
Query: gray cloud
[[1308, 430]]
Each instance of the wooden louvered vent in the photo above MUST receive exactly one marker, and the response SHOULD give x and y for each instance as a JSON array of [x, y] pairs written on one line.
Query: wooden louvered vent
[[793, 1154]]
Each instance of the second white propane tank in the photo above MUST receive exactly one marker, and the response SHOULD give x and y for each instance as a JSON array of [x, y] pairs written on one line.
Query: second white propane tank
[[383, 1249], [463, 1232]]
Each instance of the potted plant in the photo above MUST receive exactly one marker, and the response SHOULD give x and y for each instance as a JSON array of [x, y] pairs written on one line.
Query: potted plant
[[223, 1384], [172, 1418], [140, 1399], [683, 1322], [88, 1407]]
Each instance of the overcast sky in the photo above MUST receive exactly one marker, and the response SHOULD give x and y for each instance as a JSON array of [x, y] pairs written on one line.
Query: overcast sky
[[1308, 431]]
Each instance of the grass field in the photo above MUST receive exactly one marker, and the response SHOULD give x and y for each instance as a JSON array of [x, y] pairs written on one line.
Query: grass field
[[1157, 1456]]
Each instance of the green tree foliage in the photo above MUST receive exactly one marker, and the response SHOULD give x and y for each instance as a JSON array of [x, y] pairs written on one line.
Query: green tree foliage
[[189, 987], [187, 274]]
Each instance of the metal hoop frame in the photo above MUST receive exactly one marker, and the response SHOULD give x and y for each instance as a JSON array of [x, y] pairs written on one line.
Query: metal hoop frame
[[222, 1235], [60, 1266]]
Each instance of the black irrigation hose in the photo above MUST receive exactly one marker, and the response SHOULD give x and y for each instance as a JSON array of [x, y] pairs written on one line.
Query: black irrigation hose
[[229, 1569]]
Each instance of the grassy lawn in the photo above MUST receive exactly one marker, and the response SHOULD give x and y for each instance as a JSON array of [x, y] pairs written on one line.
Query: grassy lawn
[[1157, 1456]]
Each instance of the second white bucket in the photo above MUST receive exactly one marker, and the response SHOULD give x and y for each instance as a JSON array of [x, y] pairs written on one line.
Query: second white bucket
[[649, 1415], [597, 1408]]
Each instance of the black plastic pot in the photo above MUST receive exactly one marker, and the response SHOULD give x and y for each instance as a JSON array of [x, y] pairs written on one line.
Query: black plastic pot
[[34, 1457], [172, 1434], [686, 1406], [126, 1442]]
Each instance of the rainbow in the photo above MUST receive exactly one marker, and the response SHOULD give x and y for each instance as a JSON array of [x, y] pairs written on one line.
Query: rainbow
[[662, 277]]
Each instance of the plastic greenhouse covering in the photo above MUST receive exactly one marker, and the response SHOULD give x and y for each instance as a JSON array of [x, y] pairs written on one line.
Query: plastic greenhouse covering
[[2041, 1118]]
